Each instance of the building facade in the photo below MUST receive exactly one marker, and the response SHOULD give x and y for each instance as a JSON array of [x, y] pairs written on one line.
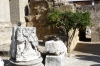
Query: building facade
[[11, 12]]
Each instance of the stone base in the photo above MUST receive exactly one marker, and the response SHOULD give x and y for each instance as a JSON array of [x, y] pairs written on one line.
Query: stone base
[[52, 60], [36, 62]]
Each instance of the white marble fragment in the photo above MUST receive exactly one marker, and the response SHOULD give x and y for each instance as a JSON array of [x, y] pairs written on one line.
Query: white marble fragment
[[24, 44], [55, 47], [52, 60], [1, 62], [88, 31]]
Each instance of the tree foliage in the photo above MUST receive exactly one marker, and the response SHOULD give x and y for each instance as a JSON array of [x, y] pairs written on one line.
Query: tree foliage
[[68, 20]]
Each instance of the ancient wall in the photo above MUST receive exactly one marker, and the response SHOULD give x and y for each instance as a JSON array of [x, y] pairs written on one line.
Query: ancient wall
[[5, 24], [5, 33], [38, 18], [95, 19], [4, 11], [11, 12], [38, 15], [18, 10], [23, 11], [14, 11]]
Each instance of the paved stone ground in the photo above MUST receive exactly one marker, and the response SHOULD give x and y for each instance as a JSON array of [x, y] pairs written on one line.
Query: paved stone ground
[[85, 54]]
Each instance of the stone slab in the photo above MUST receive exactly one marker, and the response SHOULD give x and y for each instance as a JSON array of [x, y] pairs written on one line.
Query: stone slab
[[52, 60], [36, 62], [40, 64]]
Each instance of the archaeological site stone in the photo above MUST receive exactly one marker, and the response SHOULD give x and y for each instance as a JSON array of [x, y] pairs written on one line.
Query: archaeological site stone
[[29, 18], [1, 62], [24, 47], [88, 32], [52, 60], [57, 53], [55, 47]]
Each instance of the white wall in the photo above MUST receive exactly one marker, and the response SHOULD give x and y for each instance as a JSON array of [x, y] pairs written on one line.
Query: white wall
[[4, 11]]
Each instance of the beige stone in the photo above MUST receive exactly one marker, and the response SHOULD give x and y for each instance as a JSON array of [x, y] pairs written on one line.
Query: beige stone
[[4, 11], [40, 9], [18, 11]]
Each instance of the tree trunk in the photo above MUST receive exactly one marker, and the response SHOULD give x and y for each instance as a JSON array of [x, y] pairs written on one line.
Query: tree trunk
[[69, 40]]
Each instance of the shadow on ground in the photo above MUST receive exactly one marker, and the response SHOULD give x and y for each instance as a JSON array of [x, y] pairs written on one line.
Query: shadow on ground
[[89, 58], [96, 65], [6, 62], [88, 52]]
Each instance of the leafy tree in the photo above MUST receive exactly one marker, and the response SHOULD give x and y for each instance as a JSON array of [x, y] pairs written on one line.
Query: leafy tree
[[67, 21]]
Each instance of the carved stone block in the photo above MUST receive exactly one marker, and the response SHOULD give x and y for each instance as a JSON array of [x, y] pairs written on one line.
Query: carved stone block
[[24, 44], [24, 47], [52, 60]]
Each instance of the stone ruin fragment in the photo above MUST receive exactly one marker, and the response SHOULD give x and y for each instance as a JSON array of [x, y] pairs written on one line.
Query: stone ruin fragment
[[57, 53], [24, 47], [1, 62]]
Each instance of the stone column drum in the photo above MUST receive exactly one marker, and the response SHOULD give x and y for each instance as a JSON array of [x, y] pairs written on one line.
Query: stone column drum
[[24, 47]]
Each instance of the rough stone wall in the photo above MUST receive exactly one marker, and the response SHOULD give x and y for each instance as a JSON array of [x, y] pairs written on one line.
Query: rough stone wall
[[5, 24], [18, 10], [38, 18], [38, 14], [68, 7], [95, 19]]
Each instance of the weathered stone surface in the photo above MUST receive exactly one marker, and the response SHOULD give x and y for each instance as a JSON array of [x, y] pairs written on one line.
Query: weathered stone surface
[[24, 44], [1, 62], [55, 37], [55, 47], [18, 11], [5, 33], [56, 60], [95, 20], [4, 11], [69, 7], [39, 9]]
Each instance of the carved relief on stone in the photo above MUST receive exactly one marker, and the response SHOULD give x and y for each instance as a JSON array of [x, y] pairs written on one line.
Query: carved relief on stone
[[24, 44]]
